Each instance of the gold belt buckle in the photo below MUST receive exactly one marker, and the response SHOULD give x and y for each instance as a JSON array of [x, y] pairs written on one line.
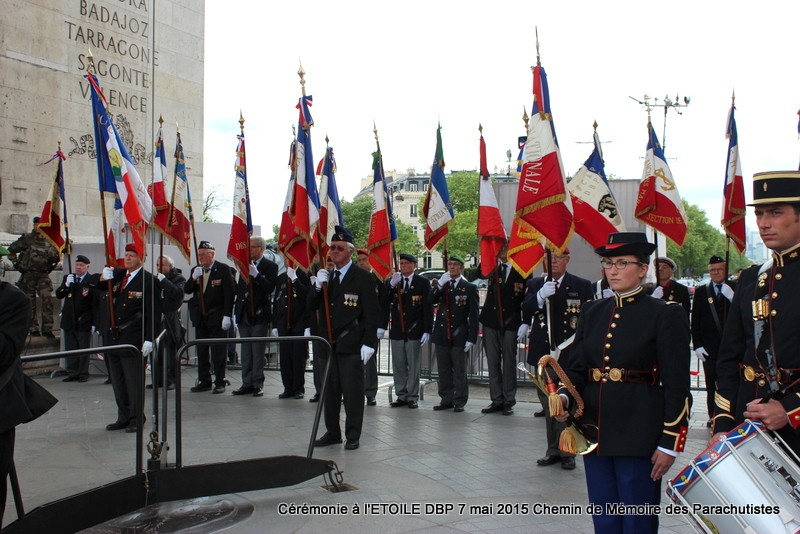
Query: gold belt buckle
[[615, 374], [596, 375], [749, 373]]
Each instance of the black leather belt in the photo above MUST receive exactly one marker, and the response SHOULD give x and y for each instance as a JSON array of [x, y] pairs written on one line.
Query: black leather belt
[[755, 374], [615, 374]]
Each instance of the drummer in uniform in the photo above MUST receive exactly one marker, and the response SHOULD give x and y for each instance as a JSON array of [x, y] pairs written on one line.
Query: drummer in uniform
[[758, 356]]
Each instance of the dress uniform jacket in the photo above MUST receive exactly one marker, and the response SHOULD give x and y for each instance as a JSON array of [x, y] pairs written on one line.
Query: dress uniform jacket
[[172, 287], [77, 313], [708, 318], [741, 372], [630, 364], [512, 292], [572, 293], [383, 301], [131, 304], [262, 285], [300, 318], [417, 309], [462, 303], [218, 296], [354, 311], [677, 292]]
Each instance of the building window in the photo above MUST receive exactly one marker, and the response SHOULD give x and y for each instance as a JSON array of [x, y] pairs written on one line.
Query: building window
[[412, 186], [425, 187], [412, 210], [426, 261]]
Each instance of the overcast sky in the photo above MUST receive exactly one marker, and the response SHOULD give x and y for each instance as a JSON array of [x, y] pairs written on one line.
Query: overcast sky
[[408, 65]]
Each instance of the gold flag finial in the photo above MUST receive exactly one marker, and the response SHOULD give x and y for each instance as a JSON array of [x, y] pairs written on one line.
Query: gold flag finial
[[241, 121], [302, 74], [538, 59], [480, 128], [525, 117], [90, 63]]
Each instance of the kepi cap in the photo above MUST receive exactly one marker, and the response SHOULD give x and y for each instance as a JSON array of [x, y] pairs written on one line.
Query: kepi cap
[[776, 187], [624, 243]]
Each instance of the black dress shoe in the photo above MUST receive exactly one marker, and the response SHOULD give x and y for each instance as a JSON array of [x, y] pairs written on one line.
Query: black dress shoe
[[548, 460], [326, 440], [315, 398], [458, 409], [258, 392], [171, 386], [508, 410], [149, 386], [413, 405], [540, 413], [492, 408], [218, 389], [371, 402], [351, 445], [108, 381], [132, 427], [398, 403], [200, 387], [440, 407], [285, 395], [83, 378], [70, 379], [242, 391], [299, 395], [117, 425], [568, 463]]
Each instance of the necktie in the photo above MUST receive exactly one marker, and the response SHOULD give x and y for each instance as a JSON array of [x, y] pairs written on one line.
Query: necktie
[[336, 278], [124, 282], [719, 289], [405, 284], [452, 285], [503, 272]]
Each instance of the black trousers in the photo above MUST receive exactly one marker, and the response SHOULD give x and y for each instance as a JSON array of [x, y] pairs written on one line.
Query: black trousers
[[6, 457], [216, 355], [293, 365], [345, 386], [124, 377], [77, 366]]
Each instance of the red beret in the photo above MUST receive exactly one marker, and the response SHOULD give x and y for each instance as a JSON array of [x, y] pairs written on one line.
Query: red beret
[[131, 247], [363, 251]]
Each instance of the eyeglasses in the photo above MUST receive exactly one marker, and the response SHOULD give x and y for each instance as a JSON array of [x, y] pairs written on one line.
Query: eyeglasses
[[338, 248], [619, 264]]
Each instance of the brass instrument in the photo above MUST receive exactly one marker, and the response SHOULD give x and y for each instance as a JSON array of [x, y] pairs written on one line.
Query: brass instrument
[[579, 437]]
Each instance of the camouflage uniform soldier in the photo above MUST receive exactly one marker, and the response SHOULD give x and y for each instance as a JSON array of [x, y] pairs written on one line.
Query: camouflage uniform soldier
[[34, 257]]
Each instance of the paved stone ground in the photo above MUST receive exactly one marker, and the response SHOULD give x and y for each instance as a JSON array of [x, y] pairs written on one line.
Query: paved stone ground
[[406, 456]]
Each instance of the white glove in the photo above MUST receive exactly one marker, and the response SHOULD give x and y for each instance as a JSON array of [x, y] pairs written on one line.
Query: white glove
[[467, 346], [522, 333], [396, 277], [658, 292], [322, 278], [147, 348], [291, 272], [307, 332], [313, 280], [607, 293], [197, 273], [275, 332], [226, 323], [701, 354], [94, 329], [108, 273], [424, 339], [70, 279], [444, 279], [253, 270], [381, 333], [548, 289], [160, 276], [366, 353], [727, 292]]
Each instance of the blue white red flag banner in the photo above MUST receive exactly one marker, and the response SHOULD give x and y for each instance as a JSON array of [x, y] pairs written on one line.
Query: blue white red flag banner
[[491, 232], [156, 189], [659, 203], [379, 241], [117, 173], [330, 210], [242, 224], [733, 206], [521, 140], [50, 223], [544, 209], [290, 243], [437, 208], [181, 219], [119, 236], [595, 209]]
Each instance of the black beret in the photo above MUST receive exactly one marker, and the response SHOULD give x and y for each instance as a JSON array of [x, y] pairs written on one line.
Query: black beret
[[340, 233], [207, 245], [409, 257], [83, 259], [715, 259], [36, 220]]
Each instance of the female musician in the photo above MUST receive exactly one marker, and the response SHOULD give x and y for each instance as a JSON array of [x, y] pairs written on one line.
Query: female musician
[[630, 364]]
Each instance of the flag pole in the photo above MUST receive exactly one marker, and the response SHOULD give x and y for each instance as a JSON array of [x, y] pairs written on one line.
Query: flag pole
[[398, 290], [68, 244], [169, 214], [549, 302], [495, 274], [109, 283], [194, 232], [249, 225]]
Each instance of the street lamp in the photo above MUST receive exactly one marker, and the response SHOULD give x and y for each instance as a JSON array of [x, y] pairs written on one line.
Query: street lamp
[[667, 103]]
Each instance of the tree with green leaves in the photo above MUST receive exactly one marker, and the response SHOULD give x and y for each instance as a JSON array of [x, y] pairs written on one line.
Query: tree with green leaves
[[357, 215]]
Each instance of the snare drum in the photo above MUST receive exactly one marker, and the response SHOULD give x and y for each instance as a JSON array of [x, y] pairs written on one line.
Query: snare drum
[[743, 483]]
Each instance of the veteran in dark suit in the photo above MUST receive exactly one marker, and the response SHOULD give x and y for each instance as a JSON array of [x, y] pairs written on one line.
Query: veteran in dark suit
[[630, 364], [354, 312], [136, 313], [371, 368], [172, 283], [759, 362], [291, 317], [565, 294], [503, 329], [410, 328], [667, 288], [78, 290], [211, 309], [254, 314], [455, 331], [710, 311]]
